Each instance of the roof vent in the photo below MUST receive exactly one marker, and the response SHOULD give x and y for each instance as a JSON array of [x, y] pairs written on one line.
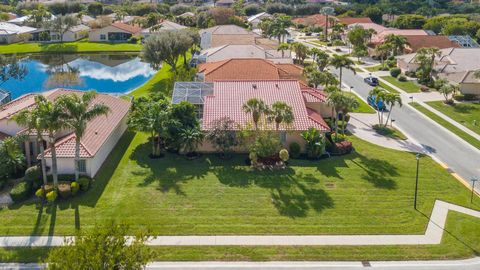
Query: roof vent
[[254, 86], [276, 85], [96, 133]]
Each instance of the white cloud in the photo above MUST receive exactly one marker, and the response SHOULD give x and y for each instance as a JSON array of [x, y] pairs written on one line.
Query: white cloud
[[120, 73]]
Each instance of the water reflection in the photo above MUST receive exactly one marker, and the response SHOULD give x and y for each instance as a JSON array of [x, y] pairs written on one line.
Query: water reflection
[[109, 73]]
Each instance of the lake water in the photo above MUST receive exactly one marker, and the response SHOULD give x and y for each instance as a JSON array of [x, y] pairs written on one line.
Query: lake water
[[105, 73]]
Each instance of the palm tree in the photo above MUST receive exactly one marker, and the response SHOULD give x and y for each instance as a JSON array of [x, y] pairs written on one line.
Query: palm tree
[[257, 108], [283, 47], [50, 118], [341, 62], [30, 120], [347, 104], [334, 100], [391, 99], [383, 50], [191, 139], [301, 51], [77, 112], [314, 52], [379, 94], [396, 42], [426, 59], [280, 113], [327, 11], [322, 60]]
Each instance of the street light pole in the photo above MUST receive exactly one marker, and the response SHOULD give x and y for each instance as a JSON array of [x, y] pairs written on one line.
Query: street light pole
[[473, 188], [417, 156]]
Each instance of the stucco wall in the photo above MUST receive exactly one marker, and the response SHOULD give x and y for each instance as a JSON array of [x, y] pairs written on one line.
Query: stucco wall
[[405, 67], [470, 88], [94, 35], [9, 127]]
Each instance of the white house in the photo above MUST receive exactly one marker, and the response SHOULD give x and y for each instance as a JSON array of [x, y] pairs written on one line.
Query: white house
[[101, 134], [73, 34], [254, 20], [164, 26], [11, 33]]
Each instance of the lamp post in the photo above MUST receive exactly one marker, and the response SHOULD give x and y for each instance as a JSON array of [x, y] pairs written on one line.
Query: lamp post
[[351, 88], [473, 188], [417, 156], [411, 97]]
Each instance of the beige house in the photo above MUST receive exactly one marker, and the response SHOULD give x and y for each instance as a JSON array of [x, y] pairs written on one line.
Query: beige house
[[12, 33], [101, 134], [164, 26], [116, 32], [73, 34]]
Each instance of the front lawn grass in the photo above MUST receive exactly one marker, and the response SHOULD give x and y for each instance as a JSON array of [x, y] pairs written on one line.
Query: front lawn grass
[[462, 112], [408, 86], [369, 191], [364, 107], [69, 47], [374, 68], [387, 87], [460, 133], [389, 132]]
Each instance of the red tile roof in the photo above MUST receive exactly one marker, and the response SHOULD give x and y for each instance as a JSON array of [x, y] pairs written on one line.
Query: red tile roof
[[418, 42], [133, 29], [353, 20], [249, 69], [311, 95], [319, 20], [229, 96]]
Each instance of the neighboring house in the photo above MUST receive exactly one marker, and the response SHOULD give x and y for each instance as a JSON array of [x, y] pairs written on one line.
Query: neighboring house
[[241, 51], [457, 65], [248, 69], [116, 32], [417, 42], [353, 20], [84, 19], [187, 14], [379, 38], [224, 3], [374, 26], [321, 20], [228, 97], [25, 19], [164, 26], [254, 20], [11, 33], [73, 34], [5, 97], [225, 34], [101, 134]]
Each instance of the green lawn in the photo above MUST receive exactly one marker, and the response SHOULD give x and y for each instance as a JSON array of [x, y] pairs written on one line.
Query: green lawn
[[463, 113], [374, 68], [390, 132], [387, 87], [460, 133], [408, 86], [69, 47], [364, 107]]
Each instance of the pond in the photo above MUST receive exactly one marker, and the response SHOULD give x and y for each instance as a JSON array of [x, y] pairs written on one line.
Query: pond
[[117, 73]]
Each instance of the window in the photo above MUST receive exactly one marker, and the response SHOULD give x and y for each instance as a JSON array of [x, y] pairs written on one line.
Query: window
[[283, 137], [103, 37], [82, 166]]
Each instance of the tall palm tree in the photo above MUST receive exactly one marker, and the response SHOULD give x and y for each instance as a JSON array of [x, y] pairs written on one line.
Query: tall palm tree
[[280, 113], [397, 43], [50, 118], [334, 100], [30, 120], [301, 51], [327, 11], [77, 112], [426, 59], [341, 62], [283, 47], [257, 108], [347, 104], [322, 59], [391, 99], [379, 94], [383, 50]]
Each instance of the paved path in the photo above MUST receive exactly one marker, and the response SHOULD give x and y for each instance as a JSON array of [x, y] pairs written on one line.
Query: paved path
[[469, 264], [433, 235], [360, 125]]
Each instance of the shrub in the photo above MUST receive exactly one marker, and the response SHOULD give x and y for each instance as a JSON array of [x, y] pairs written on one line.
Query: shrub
[[74, 187], [253, 157], [266, 144], [34, 176], [51, 196], [343, 147], [338, 42], [384, 68], [21, 191], [134, 39], [64, 190], [84, 183], [424, 88], [40, 193], [48, 188], [395, 72], [402, 78], [284, 155], [391, 63], [295, 150], [411, 74]]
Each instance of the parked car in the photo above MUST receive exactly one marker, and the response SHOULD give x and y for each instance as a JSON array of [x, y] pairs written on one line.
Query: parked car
[[378, 105], [372, 81], [290, 40]]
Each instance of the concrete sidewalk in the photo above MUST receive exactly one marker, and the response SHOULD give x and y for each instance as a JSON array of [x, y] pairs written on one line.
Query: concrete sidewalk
[[433, 235]]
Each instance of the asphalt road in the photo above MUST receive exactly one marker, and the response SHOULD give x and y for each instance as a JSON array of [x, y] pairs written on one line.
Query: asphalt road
[[460, 157]]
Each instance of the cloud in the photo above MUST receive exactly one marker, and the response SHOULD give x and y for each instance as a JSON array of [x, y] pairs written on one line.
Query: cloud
[[118, 73]]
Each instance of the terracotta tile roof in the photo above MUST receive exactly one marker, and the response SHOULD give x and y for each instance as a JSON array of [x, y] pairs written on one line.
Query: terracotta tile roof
[[229, 96], [317, 19], [352, 20], [377, 27], [311, 95], [379, 37], [133, 29], [441, 42], [249, 69]]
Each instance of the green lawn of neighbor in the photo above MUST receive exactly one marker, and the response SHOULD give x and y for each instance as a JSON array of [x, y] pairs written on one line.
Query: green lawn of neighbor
[[463, 113], [387, 87], [374, 68], [69, 47], [364, 107], [408, 86], [460, 133]]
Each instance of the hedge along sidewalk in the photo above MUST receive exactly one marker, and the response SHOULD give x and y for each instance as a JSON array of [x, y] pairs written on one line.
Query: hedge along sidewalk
[[432, 236], [68, 47]]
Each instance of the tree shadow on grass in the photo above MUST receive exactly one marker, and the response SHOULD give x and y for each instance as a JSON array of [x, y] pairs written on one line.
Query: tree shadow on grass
[[293, 195], [377, 171], [170, 172], [465, 108]]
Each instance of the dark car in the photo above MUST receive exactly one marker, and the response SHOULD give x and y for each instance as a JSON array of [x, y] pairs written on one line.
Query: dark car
[[372, 81], [378, 105]]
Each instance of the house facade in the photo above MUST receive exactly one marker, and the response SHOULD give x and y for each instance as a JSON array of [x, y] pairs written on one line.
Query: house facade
[[73, 34], [101, 134], [12, 33], [116, 32]]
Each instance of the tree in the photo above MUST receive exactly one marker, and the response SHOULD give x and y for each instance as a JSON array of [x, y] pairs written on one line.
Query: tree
[[301, 51], [327, 11], [315, 142], [38, 16], [283, 47], [30, 120], [62, 24], [257, 108], [391, 99], [383, 50], [340, 62], [397, 43], [166, 47], [12, 158], [378, 93], [78, 111], [103, 247], [322, 59], [222, 134], [95, 9], [446, 89], [280, 113], [347, 104], [152, 116], [409, 21], [191, 138], [334, 100], [11, 68], [221, 15], [374, 13], [358, 37], [425, 58], [50, 118]]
